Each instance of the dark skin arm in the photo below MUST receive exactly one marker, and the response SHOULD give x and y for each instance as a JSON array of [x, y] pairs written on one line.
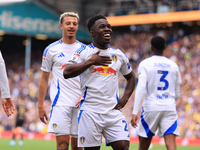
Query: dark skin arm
[[130, 86], [73, 70]]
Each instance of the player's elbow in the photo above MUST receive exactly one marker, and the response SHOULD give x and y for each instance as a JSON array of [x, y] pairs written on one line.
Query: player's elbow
[[66, 73], [177, 96], [177, 93]]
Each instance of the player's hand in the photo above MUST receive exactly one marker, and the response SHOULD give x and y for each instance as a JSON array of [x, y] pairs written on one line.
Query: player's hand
[[43, 116], [100, 60], [134, 120], [78, 102], [8, 106]]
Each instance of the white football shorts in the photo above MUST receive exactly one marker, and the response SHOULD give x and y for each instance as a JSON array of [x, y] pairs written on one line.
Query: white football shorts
[[64, 121], [164, 121], [92, 126]]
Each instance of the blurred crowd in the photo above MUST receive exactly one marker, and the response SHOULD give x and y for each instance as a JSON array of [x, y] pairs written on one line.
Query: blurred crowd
[[128, 7], [182, 48], [185, 51]]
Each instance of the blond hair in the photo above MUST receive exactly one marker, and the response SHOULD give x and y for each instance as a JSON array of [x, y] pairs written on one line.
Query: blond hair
[[65, 14]]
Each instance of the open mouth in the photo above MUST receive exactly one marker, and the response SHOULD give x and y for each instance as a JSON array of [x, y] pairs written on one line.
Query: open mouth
[[71, 31], [107, 36]]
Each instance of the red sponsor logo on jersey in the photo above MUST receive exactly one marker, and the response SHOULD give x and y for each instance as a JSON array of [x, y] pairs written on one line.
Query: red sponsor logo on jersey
[[62, 66], [104, 70]]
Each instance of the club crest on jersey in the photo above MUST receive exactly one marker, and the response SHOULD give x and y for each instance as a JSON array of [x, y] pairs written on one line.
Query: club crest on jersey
[[82, 139], [54, 125], [114, 58]]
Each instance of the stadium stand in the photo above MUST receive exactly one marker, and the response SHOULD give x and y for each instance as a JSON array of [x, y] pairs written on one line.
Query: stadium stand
[[183, 47], [128, 7]]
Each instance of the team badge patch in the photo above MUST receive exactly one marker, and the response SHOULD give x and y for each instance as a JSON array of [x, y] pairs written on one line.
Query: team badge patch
[[75, 57], [82, 139], [114, 58], [54, 125]]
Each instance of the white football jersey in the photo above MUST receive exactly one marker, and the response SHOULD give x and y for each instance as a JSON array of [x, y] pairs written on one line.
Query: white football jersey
[[99, 84], [63, 92], [161, 75]]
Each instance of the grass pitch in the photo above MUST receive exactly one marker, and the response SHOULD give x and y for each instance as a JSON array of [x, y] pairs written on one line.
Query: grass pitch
[[51, 145]]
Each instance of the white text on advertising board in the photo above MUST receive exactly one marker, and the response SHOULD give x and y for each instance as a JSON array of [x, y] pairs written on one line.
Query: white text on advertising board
[[27, 24]]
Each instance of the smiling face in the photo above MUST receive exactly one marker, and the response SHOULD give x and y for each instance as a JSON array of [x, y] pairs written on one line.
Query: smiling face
[[69, 26], [101, 33]]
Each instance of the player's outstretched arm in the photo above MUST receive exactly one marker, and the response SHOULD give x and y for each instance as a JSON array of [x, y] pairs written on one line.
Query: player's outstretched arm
[[75, 69], [130, 86], [8, 106], [42, 91]]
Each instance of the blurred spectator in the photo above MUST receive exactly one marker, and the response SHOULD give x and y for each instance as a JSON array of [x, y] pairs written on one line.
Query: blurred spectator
[[128, 7]]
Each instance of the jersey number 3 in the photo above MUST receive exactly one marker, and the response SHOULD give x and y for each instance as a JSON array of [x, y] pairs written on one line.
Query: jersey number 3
[[162, 79]]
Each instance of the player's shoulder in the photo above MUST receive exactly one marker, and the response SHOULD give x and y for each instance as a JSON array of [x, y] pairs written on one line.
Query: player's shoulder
[[81, 47], [171, 62], [91, 46], [85, 49], [52, 46], [80, 43], [118, 52]]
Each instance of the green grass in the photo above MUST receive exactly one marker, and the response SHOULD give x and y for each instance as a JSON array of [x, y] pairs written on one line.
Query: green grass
[[51, 145]]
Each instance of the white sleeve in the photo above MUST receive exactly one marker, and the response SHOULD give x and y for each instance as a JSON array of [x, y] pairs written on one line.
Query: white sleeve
[[125, 68], [177, 92], [177, 88], [140, 90], [5, 90], [47, 61]]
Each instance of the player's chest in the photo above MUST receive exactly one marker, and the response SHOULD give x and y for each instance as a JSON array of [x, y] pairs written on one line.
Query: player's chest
[[111, 69], [61, 58]]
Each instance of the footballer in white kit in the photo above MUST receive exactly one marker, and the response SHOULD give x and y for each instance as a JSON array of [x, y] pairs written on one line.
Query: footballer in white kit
[[159, 80], [4, 85], [7, 103], [99, 85], [63, 92], [98, 66]]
